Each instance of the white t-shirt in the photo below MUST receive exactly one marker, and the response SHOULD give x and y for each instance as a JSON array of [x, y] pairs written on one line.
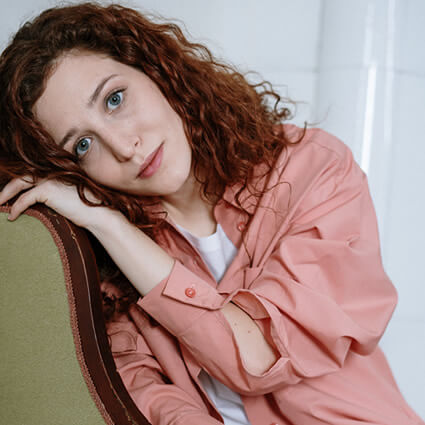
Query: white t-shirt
[[218, 251]]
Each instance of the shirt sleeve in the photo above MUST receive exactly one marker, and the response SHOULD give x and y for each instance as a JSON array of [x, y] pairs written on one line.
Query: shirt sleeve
[[317, 291], [162, 402]]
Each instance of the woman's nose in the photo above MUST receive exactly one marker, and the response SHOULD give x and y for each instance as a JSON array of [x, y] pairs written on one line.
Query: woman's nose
[[121, 146]]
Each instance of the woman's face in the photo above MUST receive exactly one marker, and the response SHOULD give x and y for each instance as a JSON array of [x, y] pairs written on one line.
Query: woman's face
[[116, 120]]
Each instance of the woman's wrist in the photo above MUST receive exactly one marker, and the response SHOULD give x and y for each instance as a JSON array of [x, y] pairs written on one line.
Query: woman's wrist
[[140, 258], [101, 219]]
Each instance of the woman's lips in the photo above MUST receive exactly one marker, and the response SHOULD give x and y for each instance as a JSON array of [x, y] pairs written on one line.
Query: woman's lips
[[152, 163]]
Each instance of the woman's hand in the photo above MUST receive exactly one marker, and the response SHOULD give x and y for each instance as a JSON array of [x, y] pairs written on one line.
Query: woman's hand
[[143, 262], [62, 198]]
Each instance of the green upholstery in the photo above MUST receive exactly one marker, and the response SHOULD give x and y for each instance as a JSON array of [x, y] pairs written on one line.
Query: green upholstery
[[41, 380], [56, 367]]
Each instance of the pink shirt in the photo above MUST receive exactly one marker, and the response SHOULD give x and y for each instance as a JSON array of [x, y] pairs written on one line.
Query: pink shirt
[[309, 273]]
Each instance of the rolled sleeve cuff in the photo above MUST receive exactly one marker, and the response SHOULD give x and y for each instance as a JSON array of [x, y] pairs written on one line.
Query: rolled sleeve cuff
[[180, 299]]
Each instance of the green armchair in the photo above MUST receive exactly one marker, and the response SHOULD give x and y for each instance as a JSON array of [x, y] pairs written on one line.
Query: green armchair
[[55, 363]]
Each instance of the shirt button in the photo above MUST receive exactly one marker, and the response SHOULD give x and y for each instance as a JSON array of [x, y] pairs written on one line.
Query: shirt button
[[190, 292], [241, 226]]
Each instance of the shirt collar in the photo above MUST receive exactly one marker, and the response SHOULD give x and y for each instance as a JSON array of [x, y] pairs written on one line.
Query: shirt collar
[[248, 201]]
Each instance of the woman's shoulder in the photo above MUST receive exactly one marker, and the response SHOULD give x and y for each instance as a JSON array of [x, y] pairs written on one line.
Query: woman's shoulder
[[312, 152], [303, 141], [314, 164], [311, 157]]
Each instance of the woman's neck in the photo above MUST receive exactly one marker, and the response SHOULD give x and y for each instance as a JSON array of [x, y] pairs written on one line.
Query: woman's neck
[[191, 211]]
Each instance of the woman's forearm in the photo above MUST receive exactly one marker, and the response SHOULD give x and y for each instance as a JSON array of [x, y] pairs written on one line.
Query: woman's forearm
[[142, 260], [257, 354]]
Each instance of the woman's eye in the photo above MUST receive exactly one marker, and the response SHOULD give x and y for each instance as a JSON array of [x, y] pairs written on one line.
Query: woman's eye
[[114, 100], [82, 147]]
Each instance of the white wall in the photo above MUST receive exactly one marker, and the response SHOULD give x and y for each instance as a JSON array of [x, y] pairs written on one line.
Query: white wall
[[359, 68], [371, 89], [244, 33]]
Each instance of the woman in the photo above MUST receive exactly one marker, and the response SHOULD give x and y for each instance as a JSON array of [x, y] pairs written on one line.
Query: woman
[[253, 244]]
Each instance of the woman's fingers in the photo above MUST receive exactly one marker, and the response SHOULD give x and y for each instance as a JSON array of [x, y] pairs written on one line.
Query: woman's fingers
[[25, 201], [61, 197], [15, 186]]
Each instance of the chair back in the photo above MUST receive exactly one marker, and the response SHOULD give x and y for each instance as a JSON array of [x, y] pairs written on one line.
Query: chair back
[[55, 362]]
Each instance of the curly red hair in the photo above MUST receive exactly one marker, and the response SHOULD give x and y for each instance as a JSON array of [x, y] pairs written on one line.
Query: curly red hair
[[230, 124]]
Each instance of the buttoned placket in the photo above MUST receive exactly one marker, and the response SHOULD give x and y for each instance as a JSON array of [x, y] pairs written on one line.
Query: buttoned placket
[[189, 256], [198, 263], [194, 257]]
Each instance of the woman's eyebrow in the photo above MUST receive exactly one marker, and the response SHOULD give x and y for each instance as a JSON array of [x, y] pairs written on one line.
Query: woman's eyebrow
[[90, 103], [67, 136], [99, 88]]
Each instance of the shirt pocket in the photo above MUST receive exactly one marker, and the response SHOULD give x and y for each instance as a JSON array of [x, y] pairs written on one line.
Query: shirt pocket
[[122, 342]]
